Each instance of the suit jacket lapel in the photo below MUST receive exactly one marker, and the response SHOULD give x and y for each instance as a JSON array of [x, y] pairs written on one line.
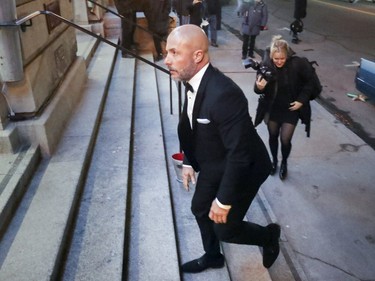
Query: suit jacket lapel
[[184, 119], [200, 94]]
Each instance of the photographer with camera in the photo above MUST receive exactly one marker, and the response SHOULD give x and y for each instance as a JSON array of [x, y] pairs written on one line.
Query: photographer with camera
[[284, 85]]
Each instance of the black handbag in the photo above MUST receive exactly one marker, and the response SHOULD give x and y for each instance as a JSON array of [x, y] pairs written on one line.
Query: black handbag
[[261, 110]]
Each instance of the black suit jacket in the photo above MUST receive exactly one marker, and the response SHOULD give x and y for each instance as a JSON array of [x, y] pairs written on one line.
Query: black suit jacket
[[223, 144]]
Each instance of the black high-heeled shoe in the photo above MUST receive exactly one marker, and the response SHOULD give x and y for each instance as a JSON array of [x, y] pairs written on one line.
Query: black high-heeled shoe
[[283, 171]]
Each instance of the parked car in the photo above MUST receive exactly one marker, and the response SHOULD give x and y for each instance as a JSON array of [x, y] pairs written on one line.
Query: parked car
[[354, 1], [365, 78]]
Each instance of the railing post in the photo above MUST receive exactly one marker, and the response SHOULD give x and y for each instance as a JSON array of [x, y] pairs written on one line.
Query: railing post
[[11, 65]]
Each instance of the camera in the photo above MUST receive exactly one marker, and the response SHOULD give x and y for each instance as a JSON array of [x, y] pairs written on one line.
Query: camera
[[261, 69]]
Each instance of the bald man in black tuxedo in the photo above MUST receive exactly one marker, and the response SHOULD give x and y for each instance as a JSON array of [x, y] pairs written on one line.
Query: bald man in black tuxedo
[[219, 141]]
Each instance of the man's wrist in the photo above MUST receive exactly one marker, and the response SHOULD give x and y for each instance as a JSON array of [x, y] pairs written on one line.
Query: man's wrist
[[222, 206]]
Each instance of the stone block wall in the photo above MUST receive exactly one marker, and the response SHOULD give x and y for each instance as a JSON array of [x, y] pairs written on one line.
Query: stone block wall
[[48, 49]]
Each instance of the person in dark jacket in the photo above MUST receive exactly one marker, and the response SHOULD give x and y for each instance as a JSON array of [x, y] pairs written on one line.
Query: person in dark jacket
[[181, 8], [284, 99], [157, 14], [197, 12], [128, 9], [297, 25], [212, 17], [220, 142], [255, 17]]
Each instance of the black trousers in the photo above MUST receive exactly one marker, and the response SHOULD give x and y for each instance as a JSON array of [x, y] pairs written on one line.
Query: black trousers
[[248, 45], [157, 44], [236, 230], [128, 30]]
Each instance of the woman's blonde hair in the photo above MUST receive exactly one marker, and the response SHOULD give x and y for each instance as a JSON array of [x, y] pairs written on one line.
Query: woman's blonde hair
[[278, 45]]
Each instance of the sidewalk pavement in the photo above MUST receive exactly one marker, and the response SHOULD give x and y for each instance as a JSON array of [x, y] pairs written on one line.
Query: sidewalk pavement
[[325, 206]]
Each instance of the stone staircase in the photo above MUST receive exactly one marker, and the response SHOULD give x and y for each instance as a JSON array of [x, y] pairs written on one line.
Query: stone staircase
[[68, 217], [34, 242], [106, 205]]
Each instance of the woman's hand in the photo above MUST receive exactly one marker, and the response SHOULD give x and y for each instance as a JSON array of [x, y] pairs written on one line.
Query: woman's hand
[[260, 83], [295, 105]]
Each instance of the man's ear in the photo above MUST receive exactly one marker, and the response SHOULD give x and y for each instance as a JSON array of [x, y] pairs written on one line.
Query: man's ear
[[198, 56]]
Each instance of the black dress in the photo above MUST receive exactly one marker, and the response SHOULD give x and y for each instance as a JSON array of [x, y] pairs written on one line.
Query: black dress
[[280, 112]]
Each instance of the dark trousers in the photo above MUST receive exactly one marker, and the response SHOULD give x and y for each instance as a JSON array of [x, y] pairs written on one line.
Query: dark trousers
[[128, 30], [236, 230], [157, 44], [248, 45]]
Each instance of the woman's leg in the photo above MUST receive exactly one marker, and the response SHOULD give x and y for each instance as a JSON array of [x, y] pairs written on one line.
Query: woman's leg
[[273, 131], [286, 134]]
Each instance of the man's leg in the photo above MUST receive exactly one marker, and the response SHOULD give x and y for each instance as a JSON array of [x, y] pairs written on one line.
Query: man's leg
[[238, 231], [128, 29], [245, 45], [201, 204], [252, 46], [213, 31]]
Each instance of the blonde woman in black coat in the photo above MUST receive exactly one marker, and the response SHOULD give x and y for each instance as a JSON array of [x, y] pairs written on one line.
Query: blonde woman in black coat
[[284, 99]]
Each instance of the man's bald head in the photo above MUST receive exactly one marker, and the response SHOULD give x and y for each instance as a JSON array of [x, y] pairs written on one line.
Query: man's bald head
[[187, 51], [191, 35]]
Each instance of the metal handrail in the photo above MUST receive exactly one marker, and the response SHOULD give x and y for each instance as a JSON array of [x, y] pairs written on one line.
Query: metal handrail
[[22, 23]]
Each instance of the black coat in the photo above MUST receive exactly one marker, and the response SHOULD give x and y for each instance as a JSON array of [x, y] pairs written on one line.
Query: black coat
[[181, 7], [157, 14], [223, 144], [212, 7], [255, 17], [197, 13], [300, 9], [299, 75]]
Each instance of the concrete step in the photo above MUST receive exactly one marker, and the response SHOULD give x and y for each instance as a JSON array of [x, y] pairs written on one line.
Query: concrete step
[[152, 242], [9, 140], [16, 169], [97, 247], [86, 46], [38, 243], [120, 233]]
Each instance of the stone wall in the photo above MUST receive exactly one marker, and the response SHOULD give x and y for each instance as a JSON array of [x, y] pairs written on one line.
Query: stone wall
[[49, 57], [48, 49]]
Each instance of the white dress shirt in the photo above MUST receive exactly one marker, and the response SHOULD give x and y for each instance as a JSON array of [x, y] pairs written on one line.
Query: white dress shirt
[[195, 81]]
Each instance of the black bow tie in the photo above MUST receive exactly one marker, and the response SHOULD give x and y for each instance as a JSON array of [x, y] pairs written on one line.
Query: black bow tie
[[188, 87]]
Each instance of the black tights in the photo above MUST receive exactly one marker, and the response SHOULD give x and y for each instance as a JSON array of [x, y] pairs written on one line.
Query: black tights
[[286, 131]]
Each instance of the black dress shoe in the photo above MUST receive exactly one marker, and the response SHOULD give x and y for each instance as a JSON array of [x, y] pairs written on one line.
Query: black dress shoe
[[126, 55], [273, 168], [272, 249], [283, 171], [203, 263]]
